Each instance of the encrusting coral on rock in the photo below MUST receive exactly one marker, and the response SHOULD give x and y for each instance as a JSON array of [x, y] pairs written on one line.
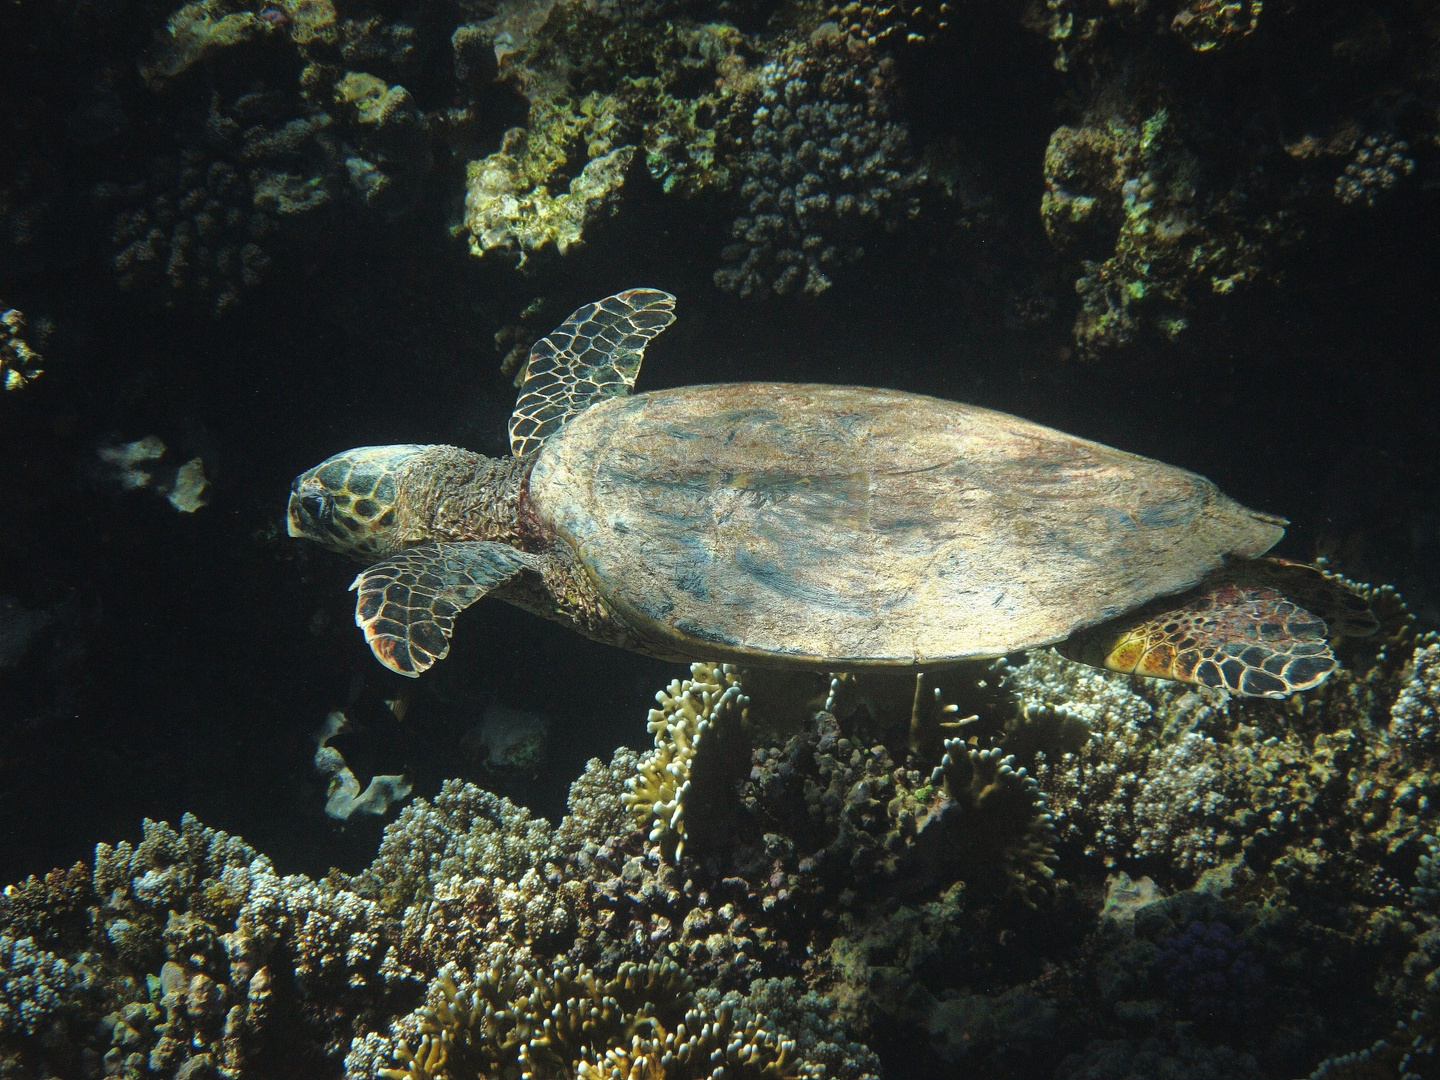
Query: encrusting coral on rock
[[1160, 213]]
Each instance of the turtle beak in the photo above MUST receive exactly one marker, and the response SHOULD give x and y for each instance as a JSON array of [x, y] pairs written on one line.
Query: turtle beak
[[308, 514]]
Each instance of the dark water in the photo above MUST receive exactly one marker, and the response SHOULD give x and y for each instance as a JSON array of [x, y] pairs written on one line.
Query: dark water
[[190, 658]]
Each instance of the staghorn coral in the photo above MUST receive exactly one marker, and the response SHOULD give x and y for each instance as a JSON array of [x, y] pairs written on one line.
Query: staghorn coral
[[827, 166]]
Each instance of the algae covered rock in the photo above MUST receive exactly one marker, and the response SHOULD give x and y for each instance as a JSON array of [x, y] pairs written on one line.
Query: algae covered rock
[[196, 31], [508, 209]]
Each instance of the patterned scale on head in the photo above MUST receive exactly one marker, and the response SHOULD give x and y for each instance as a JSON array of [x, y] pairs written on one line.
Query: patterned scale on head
[[347, 502]]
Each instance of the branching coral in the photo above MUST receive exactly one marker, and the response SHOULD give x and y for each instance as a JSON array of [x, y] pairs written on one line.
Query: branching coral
[[692, 712], [852, 873], [162, 957], [567, 1021], [1139, 779], [202, 230], [992, 821], [39, 991]]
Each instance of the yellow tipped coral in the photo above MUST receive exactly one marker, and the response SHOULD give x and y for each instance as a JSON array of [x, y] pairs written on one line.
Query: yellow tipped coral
[[688, 710], [644, 1024]]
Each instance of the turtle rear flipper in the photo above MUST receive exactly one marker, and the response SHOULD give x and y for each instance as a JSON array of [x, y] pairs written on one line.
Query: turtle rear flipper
[[1247, 638], [407, 604], [1346, 612], [593, 355]]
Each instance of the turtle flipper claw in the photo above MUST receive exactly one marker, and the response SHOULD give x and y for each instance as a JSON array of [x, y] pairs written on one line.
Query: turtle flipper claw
[[407, 604], [592, 355]]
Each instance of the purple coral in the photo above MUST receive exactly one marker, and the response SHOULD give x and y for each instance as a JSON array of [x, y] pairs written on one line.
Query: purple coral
[[1209, 973]]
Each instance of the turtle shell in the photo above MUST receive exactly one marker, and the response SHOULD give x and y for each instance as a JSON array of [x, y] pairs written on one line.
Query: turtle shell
[[838, 526]]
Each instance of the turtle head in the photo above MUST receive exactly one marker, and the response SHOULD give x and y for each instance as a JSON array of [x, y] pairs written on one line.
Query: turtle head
[[349, 502]]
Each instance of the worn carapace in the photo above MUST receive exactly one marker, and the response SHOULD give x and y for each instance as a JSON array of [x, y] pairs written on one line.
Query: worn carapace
[[828, 527]]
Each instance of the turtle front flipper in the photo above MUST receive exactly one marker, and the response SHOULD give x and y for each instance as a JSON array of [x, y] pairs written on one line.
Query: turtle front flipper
[[1243, 636], [593, 355], [407, 604]]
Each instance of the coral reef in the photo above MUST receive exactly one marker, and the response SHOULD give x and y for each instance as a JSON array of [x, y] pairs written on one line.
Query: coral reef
[[207, 212], [509, 207], [1202, 142], [691, 711], [185, 954], [1087, 873], [283, 116], [607, 89], [567, 1022]]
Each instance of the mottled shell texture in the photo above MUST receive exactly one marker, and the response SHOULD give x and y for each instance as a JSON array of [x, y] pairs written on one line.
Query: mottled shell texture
[[841, 526]]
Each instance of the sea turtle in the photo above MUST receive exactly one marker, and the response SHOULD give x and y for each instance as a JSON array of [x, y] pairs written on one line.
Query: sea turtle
[[824, 527]]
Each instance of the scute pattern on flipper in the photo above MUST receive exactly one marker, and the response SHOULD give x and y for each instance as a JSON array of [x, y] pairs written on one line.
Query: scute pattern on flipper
[[593, 355], [1345, 612], [1249, 639], [407, 604]]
